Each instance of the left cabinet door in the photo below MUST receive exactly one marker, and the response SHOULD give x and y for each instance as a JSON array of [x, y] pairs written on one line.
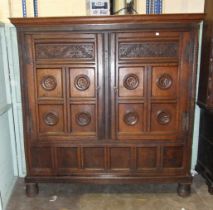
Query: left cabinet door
[[62, 82]]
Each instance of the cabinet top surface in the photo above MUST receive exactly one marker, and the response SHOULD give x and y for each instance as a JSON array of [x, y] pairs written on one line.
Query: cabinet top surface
[[104, 20]]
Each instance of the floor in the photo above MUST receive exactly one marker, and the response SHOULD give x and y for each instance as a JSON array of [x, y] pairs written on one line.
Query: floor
[[111, 197]]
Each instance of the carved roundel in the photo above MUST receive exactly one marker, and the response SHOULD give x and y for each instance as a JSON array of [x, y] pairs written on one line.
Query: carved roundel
[[83, 118], [50, 118], [82, 82], [49, 83], [131, 118], [164, 81], [163, 117], [131, 81]]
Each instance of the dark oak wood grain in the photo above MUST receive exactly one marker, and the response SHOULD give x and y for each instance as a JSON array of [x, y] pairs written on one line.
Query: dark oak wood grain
[[109, 99]]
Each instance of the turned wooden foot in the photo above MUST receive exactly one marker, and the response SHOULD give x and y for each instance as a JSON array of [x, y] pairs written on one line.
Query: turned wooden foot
[[184, 190], [32, 189]]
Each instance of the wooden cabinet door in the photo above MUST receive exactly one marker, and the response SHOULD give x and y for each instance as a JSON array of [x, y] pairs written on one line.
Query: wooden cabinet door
[[150, 85], [64, 85]]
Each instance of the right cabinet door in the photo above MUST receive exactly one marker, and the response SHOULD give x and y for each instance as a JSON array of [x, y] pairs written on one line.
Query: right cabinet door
[[150, 85]]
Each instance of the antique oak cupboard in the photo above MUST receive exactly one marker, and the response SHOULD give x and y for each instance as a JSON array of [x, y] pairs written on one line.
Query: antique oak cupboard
[[205, 100], [108, 99]]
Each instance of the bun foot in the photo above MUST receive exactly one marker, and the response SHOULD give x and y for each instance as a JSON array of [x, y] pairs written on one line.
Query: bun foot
[[32, 189], [184, 190]]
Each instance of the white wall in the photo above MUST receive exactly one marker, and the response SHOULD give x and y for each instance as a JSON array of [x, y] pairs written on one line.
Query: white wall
[[183, 6], [7, 140], [13, 8]]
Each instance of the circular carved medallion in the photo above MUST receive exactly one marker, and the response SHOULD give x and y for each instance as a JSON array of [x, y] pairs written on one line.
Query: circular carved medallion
[[164, 81], [50, 118], [131, 81], [131, 118], [163, 117], [49, 83], [82, 82], [83, 118]]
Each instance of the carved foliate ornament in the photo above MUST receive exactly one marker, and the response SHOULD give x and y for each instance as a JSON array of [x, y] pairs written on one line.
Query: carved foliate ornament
[[48, 83], [50, 118], [164, 81], [65, 51], [82, 82], [163, 117], [131, 118], [131, 81], [148, 49], [83, 118]]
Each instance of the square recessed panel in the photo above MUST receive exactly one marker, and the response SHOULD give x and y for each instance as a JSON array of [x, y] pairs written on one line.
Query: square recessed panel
[[146, 157], [164, 81], [51, 118], [83, 118], [49, 83], [67, 157], [41, 157], [173, 157], [131, 82], [131, 118], [163, 117], [82, 82], [120, 158], [93, 158]]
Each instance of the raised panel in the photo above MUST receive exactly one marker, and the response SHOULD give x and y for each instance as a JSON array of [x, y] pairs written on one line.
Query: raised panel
[[83, 119], [164, 117], [131, 118], [93, 158], [173, 157], [49, 83], [51, 118], [82, 82], [120, 158], [67, 157], [164, 81], [146, 158], [131, 81]]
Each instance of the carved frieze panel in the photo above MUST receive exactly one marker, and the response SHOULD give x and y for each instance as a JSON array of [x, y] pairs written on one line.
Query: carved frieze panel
[[85, 51], [148, 49]]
